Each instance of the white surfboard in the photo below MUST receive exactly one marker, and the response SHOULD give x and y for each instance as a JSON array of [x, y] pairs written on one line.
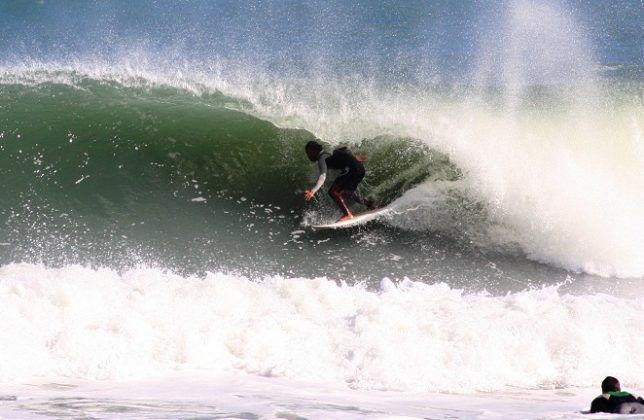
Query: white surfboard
[[358, 219]]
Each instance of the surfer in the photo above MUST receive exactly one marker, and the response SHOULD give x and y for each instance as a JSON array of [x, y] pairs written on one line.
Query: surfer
[[345, 185], [614, 400]]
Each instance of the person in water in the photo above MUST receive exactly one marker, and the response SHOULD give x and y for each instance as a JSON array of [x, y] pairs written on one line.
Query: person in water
[[614, 400], [345, 185]]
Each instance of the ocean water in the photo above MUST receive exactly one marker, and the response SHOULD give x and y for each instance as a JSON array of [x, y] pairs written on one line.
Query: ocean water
[[156, 256]]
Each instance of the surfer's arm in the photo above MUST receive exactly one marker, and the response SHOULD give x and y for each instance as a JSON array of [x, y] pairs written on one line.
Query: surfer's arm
[[308, 194]]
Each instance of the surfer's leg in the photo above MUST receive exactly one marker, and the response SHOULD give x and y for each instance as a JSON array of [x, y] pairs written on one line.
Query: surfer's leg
[[350, 187], [336, 194]]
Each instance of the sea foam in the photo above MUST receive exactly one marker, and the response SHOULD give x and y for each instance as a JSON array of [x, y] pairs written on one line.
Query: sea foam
[[100, 324]]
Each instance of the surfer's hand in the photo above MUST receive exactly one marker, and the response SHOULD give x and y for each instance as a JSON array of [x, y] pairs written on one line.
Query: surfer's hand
[[308, 195], [361, 158]]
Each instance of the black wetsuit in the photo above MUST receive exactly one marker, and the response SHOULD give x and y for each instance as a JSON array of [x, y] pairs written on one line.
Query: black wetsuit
[[352, 171], [618, 403], [345, 185]]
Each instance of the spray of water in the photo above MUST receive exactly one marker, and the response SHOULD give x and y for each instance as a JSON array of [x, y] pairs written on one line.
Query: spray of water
[[552, 155]]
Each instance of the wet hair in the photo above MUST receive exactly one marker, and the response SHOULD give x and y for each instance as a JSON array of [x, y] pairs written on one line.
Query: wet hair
[[313, 149], [610, 384]]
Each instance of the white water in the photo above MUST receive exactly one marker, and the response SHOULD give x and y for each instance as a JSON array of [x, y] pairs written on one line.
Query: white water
[[97, 324]]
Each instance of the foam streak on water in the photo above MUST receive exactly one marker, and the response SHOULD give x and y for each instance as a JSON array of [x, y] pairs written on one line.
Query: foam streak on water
[[247, 397]]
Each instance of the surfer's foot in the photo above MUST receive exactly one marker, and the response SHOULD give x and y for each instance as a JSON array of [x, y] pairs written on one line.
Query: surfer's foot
[[345, 217]]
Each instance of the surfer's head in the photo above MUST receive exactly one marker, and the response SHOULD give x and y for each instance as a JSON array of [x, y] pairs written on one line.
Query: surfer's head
[[610, 384], [313, 149]]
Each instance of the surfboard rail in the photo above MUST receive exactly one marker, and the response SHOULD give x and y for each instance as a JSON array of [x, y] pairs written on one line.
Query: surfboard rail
[[357, 219]]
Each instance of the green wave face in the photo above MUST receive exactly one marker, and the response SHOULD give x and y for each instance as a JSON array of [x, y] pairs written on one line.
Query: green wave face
[[101, 173], [120, 144]]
